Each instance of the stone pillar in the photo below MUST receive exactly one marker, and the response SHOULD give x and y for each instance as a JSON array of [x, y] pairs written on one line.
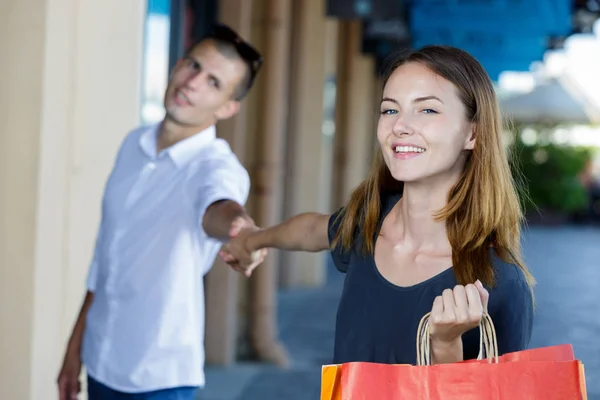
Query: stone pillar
[[305, 162], [327, 150], [69, 92], [354, 118], [222, 283], [266, 173]]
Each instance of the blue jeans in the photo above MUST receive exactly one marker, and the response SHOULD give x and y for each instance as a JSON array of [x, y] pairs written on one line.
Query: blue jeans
[[98, 391]]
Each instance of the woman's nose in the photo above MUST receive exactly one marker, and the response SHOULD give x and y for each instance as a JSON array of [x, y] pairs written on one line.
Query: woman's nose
[[402, 125]]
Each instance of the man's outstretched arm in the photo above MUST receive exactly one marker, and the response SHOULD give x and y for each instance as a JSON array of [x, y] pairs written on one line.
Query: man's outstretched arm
[[221, 216]]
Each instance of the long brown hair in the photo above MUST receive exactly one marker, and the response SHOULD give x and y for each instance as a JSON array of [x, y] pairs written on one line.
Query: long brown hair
[[483, 208]]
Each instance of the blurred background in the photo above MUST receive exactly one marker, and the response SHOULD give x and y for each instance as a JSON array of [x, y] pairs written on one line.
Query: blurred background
[[75, 77]]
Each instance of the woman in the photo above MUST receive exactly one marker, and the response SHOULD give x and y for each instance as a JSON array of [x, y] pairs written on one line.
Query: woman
[[435, 227]]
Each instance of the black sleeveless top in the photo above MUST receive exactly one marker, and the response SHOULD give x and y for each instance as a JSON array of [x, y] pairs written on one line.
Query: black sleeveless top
[[377, 321]]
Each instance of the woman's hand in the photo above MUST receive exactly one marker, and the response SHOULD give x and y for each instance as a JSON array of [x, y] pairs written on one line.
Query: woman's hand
[[454, 313], [247, 246], [237, 252]]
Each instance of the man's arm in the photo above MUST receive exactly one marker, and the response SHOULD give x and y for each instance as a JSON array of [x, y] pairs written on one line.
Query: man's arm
[[77, 334], [68, 378], [222, 192], [221, 216]]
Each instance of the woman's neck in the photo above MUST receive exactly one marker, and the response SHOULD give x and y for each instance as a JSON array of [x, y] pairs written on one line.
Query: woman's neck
[[415, 216]]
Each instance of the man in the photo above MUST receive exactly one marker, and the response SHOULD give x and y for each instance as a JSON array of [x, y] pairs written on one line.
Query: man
[[175, 193]]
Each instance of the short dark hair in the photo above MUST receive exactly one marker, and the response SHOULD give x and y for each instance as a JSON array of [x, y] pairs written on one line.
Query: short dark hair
[[244, 85], [231, 45]]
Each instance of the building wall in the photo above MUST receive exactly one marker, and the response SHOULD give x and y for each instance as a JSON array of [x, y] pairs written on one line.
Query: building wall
[[69, 92]]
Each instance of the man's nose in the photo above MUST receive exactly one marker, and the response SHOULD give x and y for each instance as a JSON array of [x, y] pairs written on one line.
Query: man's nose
[[196, 80]]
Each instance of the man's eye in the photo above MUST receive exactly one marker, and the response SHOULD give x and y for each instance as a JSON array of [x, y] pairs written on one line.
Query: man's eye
[[193, 65]]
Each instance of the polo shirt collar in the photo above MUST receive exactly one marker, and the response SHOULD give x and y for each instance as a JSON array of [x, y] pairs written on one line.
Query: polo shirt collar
[[181, 152]]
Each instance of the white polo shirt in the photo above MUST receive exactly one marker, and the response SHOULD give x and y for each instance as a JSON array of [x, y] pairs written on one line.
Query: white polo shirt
[[145, 327]]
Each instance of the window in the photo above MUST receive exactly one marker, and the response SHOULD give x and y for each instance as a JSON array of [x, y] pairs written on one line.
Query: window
[[156, 60]]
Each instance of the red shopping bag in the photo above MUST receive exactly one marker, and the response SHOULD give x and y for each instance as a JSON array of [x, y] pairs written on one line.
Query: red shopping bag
[[550, 373], [561, 352], [511, 381]]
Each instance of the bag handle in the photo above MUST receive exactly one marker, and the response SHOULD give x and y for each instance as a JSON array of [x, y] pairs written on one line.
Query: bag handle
[[488, 343]]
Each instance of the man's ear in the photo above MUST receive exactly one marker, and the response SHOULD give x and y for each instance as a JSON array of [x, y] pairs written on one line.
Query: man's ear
[[227, 110], [471, 138]]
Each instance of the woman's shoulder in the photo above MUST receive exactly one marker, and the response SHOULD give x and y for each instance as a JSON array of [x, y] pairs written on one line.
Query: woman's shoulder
[[506, 272], [342, 256], [511, 306], [512, 288], [387, 202]]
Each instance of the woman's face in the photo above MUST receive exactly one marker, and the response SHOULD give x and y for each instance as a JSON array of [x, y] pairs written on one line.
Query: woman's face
[[423, 130]]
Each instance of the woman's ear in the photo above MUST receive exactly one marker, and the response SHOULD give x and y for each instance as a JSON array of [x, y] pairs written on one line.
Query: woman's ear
[[471, 138]]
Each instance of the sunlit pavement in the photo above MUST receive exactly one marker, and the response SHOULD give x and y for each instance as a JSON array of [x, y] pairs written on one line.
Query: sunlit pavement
[[565, 262]]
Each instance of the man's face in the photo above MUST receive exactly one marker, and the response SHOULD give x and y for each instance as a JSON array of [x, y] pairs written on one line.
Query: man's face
[[202, 85]]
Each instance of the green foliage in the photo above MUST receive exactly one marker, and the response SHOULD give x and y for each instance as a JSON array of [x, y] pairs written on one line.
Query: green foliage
[[550, 175]]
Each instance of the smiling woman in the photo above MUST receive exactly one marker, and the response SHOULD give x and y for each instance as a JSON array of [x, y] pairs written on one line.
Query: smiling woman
[[435, 227]]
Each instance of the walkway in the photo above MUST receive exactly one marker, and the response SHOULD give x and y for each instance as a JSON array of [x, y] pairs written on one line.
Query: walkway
[[565, 261]]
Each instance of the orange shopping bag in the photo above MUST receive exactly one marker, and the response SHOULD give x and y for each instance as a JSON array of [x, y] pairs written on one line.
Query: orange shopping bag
[[550, 373]]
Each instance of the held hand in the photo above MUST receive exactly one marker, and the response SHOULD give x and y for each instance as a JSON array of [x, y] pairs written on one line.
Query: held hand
[[236, 252], [457, 311], [239, 224], [68, 378]]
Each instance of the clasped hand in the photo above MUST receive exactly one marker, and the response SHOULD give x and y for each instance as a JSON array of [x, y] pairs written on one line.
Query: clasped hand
[[237, 252]]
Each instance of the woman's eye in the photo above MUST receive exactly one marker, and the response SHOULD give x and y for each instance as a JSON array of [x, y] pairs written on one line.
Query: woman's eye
[[388, 112], [429, 111]]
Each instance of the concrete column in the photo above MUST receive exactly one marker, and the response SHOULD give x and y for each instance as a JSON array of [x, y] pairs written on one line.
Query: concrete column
[[266, 172], [327, 150], [69, 92], [354, 108], [222, 283], [305, 163]]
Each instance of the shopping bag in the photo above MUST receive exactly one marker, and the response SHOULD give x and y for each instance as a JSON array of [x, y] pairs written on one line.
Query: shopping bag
[[550, 373], [561, 352], [331, 388]]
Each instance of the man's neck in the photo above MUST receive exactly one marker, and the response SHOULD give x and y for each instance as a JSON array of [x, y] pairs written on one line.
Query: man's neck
[[170, 133]]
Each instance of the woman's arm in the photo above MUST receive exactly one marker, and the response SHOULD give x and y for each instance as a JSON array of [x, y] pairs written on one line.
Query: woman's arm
[[304, 232]]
